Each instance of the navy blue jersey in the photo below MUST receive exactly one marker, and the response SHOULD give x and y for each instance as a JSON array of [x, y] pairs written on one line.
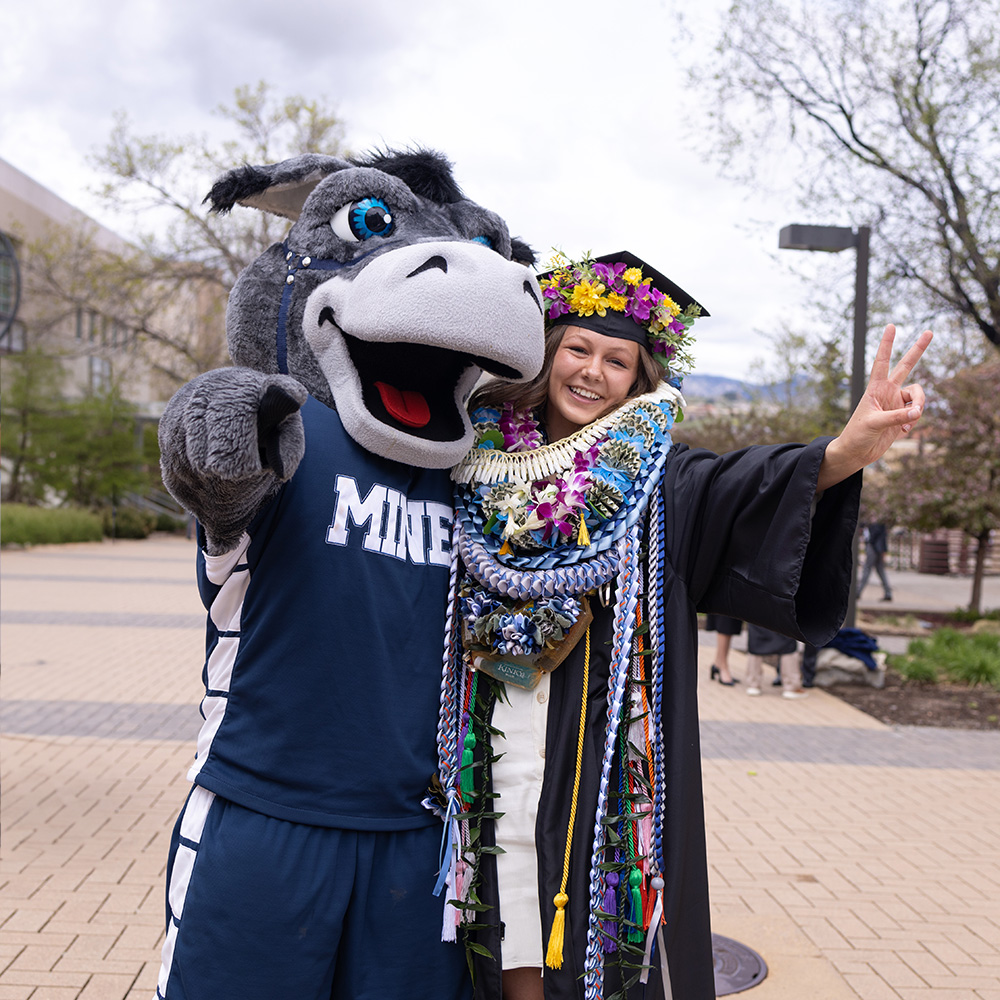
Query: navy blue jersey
[[325, 639]]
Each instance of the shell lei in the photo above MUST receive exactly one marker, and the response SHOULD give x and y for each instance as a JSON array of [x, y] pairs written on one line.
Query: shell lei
[[625, 546]]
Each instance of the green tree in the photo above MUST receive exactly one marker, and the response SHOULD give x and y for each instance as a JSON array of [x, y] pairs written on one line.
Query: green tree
[[954, 480], [32, 423], [100, 457], [893, 107]]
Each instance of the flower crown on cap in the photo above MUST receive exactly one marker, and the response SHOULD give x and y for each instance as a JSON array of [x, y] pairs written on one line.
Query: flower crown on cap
[[588, 288]]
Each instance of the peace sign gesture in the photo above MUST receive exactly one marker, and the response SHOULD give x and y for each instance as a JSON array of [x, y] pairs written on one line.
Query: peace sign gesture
[[887, 410]]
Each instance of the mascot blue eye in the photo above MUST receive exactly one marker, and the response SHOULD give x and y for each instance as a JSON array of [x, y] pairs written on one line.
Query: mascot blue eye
[[485, 240], [361, 220]]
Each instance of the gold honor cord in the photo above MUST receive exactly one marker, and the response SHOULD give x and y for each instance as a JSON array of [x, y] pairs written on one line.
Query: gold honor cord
[[554, 954]]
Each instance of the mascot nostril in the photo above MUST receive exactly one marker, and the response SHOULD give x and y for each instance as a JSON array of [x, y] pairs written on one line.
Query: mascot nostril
[[437, 261], [530, 290]]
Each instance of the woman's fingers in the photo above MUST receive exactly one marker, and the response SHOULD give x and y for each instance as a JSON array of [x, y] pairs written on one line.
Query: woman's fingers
[[909, 360]]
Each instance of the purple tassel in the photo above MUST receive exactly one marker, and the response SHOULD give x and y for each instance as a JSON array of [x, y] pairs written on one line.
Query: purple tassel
[[610, 905]]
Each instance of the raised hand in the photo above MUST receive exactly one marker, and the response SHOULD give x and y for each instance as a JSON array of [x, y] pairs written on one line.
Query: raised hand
[[888, 410], [228, 440]]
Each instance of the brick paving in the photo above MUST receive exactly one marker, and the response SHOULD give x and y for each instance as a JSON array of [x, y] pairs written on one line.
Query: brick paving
[[859, 860]]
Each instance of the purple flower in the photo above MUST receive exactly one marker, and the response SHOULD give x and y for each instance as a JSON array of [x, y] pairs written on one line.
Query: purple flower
[[639, 303], [611, 274], [557, 309]]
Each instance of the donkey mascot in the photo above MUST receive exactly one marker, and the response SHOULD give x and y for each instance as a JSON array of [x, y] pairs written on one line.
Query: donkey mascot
[[303, 861]]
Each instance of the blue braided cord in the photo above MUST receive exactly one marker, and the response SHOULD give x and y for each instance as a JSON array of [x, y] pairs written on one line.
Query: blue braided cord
[[658, 523], [653, 588], [448, 712], [523, 585], [624, 627]]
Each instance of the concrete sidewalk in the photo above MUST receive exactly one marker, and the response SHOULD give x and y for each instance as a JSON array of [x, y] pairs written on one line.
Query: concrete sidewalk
[[859, 860]]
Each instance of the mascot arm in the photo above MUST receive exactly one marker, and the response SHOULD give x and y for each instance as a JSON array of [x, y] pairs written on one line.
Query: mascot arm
[[228, 440]]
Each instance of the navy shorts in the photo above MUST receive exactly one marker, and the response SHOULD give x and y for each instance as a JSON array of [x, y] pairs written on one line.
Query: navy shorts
[[261, 908]]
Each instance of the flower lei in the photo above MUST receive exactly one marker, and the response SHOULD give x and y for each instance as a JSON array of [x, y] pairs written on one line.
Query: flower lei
[[587, 287], [524, 629], [558, 509]]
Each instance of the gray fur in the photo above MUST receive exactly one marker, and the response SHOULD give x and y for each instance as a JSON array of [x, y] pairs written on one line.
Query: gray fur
[[210, 453]]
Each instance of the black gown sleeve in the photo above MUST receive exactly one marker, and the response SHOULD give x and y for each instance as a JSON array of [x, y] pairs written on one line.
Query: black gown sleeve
[[741, 533]]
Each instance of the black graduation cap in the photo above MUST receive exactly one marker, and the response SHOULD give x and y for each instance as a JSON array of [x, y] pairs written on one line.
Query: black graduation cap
[[617, 324]]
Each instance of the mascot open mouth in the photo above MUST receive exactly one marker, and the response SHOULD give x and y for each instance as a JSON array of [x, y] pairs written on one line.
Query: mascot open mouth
[[413, 387]]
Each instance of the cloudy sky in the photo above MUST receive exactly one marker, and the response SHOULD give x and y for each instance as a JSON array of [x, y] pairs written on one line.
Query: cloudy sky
[[572, 120]]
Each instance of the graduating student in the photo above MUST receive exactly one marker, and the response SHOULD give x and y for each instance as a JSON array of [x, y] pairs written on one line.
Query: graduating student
[[585, 544]]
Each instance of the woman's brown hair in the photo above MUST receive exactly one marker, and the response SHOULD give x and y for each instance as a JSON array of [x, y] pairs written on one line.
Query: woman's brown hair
[[534, 394]]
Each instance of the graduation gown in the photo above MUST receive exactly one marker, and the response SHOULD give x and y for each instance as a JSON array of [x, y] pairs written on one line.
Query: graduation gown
[[742, 540]]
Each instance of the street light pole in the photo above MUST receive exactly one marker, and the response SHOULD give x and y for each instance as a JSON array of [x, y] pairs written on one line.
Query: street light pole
[[833, 239], [858, 366]]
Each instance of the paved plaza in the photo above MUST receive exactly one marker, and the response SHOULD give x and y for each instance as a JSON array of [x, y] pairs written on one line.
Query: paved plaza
[[858, 859]]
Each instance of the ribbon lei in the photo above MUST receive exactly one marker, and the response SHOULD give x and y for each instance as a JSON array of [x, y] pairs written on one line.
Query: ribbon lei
[[656, 884], [448, 873]]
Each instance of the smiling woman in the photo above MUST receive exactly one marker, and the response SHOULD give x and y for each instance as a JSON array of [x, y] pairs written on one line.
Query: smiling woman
[[591, 374]]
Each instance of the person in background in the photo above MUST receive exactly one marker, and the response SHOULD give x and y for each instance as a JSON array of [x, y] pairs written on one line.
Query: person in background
[[763, 642], [876, 545], [724, 628]]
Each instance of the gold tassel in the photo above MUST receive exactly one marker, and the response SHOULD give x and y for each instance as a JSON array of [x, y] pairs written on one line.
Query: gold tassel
[[554, 954], [583, 538]]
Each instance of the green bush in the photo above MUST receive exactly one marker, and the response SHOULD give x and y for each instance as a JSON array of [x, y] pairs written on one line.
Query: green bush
[[962, 657], [127, 522], [21, 524], [170, 522]]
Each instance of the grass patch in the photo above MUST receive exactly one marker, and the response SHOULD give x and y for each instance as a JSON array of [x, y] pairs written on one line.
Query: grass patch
[[21, 524], [959, 657]]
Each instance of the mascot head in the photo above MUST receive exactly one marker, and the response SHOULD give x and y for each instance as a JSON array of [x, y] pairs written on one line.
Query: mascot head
[[389, 297]]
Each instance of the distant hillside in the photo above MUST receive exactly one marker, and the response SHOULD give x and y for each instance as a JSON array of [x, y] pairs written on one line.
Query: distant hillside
[[716, 387], [720, 389]]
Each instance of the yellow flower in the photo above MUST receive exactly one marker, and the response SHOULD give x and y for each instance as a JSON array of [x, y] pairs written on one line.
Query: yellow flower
[[586, 299], [632, 275], [668, 303], [616, 301]]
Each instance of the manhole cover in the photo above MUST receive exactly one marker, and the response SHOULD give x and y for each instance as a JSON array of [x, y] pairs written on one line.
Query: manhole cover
[[737, 967]]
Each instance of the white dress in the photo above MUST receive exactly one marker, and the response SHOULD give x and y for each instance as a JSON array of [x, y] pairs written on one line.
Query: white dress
[[517, 777]]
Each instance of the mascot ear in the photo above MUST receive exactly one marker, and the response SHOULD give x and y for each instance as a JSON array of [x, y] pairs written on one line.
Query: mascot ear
[[280, 188], [521, 253]]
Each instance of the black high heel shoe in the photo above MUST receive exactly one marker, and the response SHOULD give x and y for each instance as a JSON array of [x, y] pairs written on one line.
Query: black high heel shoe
[[716, 676]]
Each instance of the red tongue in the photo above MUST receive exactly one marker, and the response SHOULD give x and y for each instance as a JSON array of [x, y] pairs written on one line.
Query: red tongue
[[408, 407]]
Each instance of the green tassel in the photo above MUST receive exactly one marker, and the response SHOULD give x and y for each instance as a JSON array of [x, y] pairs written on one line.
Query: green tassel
[[465, 780], [634, 881]]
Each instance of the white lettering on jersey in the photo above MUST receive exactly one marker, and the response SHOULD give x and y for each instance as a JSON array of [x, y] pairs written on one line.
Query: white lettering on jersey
[[439, 517], [396, 527], [415, 530], [350, 505]]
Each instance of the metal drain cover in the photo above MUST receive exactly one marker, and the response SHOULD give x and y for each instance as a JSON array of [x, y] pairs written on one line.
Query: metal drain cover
[[737, 967]]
